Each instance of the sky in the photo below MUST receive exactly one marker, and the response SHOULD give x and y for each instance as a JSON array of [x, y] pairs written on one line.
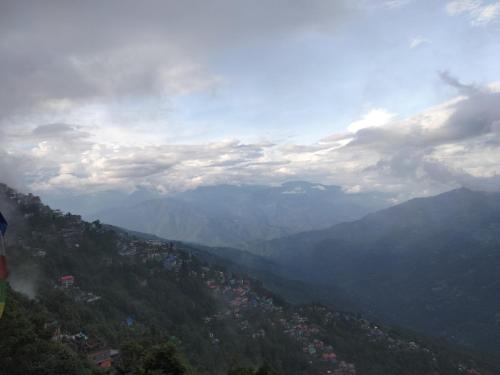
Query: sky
[[398, 96]]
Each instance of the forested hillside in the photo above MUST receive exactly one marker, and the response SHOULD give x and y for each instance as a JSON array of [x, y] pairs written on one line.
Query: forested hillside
[[438, 256], [100, 300]]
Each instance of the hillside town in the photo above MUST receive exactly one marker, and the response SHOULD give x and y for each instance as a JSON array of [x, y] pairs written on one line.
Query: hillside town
[[241, 302]]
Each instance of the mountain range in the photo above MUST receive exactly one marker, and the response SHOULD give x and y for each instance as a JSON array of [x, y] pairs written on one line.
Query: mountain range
[[241, 216], [439, 256], [430, 263], [103, 299]]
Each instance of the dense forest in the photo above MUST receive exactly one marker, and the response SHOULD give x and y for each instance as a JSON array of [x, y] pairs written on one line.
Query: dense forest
[[439, 256]]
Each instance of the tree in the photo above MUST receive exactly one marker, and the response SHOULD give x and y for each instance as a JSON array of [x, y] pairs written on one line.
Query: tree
[[266, 370], [262, 370], [161, 359], [165, 359], [25, 346], [241, 371]]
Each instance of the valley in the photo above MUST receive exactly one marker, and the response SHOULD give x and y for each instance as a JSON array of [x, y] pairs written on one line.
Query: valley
[[99, 289]]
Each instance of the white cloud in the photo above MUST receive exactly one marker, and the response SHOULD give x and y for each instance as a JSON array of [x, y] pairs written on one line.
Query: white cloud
[[374, 118], [479, 12], [453, 144], [488, 13], [462, 6], [88, 90], [418, 41], [396, 3]]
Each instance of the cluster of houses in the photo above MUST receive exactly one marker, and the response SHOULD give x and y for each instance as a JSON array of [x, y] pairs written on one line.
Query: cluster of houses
[[31, 204], [241, 298], [238, 293], [375, 333], [150, 250], [67, 284], [463, 369], [345, 368], [299, 328], [23, 200], [103, 358], [92, 348], [72, 230]]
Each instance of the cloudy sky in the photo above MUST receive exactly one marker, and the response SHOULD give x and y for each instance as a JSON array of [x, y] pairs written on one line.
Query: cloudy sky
[[396, 95]]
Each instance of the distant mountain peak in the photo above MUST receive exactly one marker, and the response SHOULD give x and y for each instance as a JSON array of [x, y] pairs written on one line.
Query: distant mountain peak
[[240, 216], [435, 255]]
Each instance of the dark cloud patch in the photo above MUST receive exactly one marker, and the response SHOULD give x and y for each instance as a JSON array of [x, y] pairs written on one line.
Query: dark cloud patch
[[413, 153], [79, 51], [469, 90], [477, 115], [133, 168], [59, 131]]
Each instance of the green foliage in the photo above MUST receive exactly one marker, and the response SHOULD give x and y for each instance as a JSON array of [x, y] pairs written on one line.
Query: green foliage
[[267, 370], [439, 257], [164, 359], [25, 344], [241, 371], [262, 370], [160, 359]]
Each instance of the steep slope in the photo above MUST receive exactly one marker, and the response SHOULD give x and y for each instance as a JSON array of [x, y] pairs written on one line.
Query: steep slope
[[273, 276], [439, 257], [120, 291], [239, 216], [26, 344]]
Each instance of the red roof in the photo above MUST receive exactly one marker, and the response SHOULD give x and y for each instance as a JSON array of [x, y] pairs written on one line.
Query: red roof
[[101, 358], [67, 278]]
